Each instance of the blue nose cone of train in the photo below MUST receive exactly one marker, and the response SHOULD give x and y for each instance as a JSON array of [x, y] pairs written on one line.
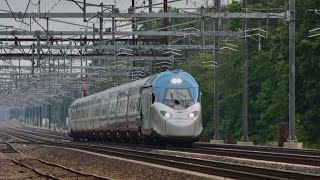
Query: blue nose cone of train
[[177, 79], [178, 92]]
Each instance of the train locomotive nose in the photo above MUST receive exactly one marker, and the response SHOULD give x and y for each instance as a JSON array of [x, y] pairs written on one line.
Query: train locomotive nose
[[180, 127]]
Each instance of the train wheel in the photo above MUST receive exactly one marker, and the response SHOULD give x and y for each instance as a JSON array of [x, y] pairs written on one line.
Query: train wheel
[[140, 138], [75, 138], [100, 137], [93, 136], [134, 138], [128, 138], [118, 137], [155, 140], [108, 137]]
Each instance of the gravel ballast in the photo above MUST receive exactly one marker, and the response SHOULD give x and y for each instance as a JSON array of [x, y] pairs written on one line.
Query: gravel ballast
[[106, 166], [9, 170], [101, 165], [248, 162]]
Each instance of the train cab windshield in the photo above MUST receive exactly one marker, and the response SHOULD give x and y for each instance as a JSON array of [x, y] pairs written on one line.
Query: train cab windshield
[[178, 98]]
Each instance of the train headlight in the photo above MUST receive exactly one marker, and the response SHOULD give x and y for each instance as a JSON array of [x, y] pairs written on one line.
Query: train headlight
[[165, 114], [176, 81], [193, 114]]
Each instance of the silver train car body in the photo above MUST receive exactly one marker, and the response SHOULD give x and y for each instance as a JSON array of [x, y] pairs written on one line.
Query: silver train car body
[[162, 107]]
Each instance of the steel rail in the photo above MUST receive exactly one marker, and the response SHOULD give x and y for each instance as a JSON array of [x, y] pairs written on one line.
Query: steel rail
[[311, 152], [48, 133], [13, 130], [283, 157], [35, 170]]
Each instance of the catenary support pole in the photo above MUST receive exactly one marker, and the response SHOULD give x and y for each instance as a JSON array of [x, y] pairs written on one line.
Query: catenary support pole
[[32, 59], [40, 115], [292, 56], [33, 116], [84, 9], [101, 25], [245, 137], [25, 115], [150, 11], [133, 27], [49, 112], [165, 21], [38, 50], [216, 74], [37, 114]]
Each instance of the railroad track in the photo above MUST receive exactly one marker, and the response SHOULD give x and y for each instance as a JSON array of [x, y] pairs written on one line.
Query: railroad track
[[283, 155], [41, 167], [260, 148], [44, 133], [198, 165], [40, 133]]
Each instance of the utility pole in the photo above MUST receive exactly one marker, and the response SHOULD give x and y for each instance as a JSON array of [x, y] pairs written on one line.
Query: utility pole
[[216, 137], [245, 138]]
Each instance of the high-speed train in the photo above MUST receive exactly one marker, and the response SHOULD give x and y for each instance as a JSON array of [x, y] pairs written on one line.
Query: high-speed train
[[164, 107]]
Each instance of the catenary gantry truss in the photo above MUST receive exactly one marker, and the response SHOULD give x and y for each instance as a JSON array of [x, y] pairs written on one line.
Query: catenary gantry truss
[[40, 65]]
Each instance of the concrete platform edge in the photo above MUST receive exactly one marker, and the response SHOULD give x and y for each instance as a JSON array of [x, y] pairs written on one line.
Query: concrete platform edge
[[293, 144], [214, 141], [245, 143]]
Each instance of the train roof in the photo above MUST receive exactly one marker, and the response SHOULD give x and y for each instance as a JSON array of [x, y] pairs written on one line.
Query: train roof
[[187, 81], [157, 80], [140, 83]]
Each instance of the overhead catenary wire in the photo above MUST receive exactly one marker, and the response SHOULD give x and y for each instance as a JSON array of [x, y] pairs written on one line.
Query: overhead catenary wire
[[12, 13]]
